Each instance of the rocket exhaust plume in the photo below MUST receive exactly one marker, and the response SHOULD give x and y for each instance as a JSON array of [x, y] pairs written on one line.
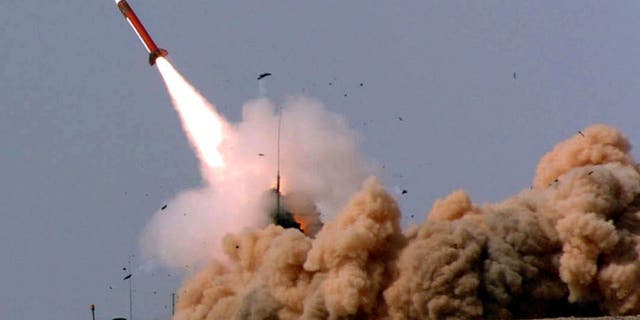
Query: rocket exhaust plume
[[567, 247], [203, 125], [320, 164]]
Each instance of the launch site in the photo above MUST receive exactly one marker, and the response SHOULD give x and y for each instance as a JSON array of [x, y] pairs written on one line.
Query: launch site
[[282, 159]]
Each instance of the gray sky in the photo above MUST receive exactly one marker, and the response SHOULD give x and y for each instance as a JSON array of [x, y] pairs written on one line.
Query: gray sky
[[91, 145]]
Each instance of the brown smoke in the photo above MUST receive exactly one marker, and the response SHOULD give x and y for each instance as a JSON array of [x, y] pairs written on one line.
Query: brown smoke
[[569, 246]]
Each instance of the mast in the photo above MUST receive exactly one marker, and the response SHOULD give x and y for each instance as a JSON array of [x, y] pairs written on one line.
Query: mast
[[278, 164], [173, 303]]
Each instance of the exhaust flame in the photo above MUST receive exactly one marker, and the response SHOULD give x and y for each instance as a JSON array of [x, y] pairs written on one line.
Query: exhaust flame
[[203, 125], [303, 223]]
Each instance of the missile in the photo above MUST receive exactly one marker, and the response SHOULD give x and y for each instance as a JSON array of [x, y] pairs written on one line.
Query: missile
[[154, 51]]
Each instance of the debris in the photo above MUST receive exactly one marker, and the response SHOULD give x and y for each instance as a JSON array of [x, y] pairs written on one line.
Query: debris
[[163, 207], [264, 75], [400, 118], [590, 172], [404, 191], [261, 154], [361, 84], [127, 277], [580, 132], [514, 76]]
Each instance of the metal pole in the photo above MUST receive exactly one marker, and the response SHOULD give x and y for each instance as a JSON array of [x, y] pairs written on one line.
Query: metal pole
[[130, 292], [173, 303], [278, 164]]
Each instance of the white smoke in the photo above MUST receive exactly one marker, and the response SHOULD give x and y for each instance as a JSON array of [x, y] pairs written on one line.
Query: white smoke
[[319, 157]]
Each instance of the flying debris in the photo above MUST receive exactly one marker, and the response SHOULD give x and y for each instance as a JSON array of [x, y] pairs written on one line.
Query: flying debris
[[163, 207], [580, 132], [147, 41], [261, 154], [404, 191], [514, 76], [264, 75], [400, 118], [127, 277], [361, 84]]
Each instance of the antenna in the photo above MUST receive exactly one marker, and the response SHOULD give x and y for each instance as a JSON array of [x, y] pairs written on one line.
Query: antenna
[[173, 303], [278, 163]]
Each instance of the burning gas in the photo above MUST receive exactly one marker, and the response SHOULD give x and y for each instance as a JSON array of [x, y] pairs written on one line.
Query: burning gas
[[203, 125], [568, 246]]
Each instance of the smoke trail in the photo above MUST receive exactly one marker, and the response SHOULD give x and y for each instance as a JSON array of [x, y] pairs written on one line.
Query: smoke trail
[[319, 161], [203, 125], [567, 247]]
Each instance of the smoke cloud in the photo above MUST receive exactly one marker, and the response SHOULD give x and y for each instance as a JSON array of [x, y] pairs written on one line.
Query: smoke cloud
[[567, 246], [319, 160]]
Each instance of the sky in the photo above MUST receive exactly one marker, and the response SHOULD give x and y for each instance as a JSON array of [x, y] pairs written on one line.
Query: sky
[[91, 145]]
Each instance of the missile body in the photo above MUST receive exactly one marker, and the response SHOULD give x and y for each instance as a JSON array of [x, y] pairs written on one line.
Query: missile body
[[154, 51]]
